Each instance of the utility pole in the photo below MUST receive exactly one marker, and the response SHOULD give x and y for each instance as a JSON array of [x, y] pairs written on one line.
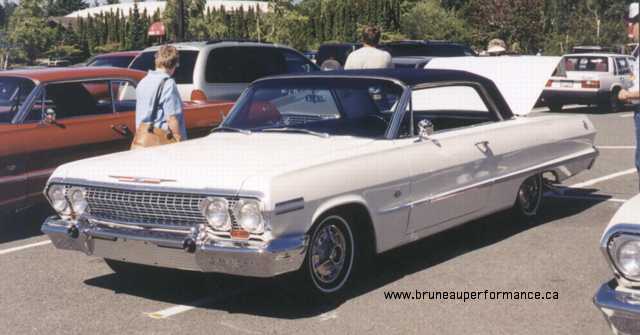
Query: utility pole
[[180, 12]]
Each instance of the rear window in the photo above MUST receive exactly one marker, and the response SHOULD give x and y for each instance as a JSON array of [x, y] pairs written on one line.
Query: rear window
[[246, 64], [586, 63], [429, 50], [119, 61], [184, 73]]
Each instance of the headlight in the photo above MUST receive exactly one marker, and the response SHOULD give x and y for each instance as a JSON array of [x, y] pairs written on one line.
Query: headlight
[[57, 199], [628, 258], [216, 211], [78, 200], [249, 216]]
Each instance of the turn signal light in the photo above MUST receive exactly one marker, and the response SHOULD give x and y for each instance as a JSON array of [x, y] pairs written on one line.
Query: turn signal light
[[590, 84], [549, 83], [240, 234], [198, 96]]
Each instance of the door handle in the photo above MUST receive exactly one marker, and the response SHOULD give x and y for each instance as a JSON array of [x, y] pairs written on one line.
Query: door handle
[[483, 146], [122, 129]]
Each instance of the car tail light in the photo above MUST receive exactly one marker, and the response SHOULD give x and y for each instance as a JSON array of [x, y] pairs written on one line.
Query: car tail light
[[590, 84], [198, 96], [549, 83]]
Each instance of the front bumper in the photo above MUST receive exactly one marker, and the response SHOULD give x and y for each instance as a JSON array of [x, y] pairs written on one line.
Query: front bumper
[[167, 249], [621, 309]]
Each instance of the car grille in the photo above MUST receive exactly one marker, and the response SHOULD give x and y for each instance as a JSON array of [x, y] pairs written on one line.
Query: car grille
[[175, 210]]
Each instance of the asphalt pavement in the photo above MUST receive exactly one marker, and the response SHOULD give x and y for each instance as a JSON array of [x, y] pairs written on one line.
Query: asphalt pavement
[[48, 291]]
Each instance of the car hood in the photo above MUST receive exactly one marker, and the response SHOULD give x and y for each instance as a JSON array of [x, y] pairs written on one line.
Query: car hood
[[520, 79], [222, 161], [629, 213]]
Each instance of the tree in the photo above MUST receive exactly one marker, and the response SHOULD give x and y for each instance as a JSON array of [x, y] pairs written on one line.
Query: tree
[[287, 26], [28, 30], [136, 36], [428, 20], [64, 7], [113, 2]]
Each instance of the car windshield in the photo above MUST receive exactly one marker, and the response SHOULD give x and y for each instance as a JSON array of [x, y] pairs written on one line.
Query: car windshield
[[328, 106], [116, 61], [13, 92], [184, 73], [586, 63]]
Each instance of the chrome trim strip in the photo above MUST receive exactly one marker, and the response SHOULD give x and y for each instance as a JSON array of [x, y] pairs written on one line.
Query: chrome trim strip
[[26, 175], [488, 182], [140, 226], [289, 206]]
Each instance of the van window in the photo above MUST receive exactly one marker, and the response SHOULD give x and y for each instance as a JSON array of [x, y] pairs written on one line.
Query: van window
[[184, 73], [243, 64]]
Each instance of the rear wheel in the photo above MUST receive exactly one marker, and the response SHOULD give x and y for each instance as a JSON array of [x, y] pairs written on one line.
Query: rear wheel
[[529, 197]]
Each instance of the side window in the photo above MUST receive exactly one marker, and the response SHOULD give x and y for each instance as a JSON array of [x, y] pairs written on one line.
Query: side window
[[296, 63], [623, 66], [124, 93], [39, 106], [243, 64], [447, 107], [79, 98]]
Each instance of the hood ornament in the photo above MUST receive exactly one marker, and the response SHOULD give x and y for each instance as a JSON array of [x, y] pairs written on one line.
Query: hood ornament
[[141, 180]]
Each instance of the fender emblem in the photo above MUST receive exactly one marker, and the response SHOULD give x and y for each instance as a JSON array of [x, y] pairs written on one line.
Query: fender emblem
[[141, 180]]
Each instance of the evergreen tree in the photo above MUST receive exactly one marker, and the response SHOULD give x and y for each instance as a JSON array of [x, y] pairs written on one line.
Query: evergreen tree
[[64, 7], [113, 2], [28, 30], [136, 34]]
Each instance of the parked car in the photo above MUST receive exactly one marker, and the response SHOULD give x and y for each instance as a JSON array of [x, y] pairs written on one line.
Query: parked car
[[381, 158], [410, 62], [589, 78], [335, 52], [115, 59], [221, 70], [619, 299], [581, 49], [53, 116], [428, 48]]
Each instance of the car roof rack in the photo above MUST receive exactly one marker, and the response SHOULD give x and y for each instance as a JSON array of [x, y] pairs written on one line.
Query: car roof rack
[[236, 40]]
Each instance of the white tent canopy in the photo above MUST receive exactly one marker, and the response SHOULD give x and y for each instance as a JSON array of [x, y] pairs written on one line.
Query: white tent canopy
[[152, 6]]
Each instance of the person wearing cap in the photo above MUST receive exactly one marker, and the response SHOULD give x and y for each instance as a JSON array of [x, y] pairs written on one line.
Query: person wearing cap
[[632, 94], [496, 47], [369, 56]]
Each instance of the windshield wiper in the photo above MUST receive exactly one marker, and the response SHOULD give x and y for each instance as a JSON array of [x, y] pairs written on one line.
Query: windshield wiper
[[238, 130], [296, 130]]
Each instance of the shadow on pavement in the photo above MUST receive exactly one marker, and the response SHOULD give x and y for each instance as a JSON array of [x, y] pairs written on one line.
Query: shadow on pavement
[[282, 297], [23, 224]]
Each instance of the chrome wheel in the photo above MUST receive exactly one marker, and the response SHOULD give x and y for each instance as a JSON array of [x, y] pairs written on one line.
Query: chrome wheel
[[330, 255], [530, 196]]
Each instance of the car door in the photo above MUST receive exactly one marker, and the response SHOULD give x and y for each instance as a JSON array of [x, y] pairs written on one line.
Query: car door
[[452, 169], [71, 121], [623, 72], [12, 165]]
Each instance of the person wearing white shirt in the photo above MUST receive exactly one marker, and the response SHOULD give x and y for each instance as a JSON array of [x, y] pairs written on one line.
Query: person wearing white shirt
[[369, 56]]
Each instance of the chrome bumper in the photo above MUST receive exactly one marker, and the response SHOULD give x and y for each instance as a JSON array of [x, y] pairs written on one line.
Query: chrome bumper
[[620, 309], [275, 257]]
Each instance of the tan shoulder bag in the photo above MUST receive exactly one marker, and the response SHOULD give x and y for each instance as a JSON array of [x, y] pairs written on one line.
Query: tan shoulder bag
[[147, 135]]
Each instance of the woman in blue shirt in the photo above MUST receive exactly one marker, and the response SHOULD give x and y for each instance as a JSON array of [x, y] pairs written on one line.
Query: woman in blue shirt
[[169, 115]]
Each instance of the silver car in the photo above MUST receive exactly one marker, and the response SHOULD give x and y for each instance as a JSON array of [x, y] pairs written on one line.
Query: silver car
[[589, 79], [221, 70]]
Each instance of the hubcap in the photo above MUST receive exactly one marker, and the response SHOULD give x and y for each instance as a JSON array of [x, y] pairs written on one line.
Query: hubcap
[[328, 254], [529, 195]]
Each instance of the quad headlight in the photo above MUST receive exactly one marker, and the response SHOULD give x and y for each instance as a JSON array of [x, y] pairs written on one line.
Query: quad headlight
[[624, 250], [57, 199], [77, 199], [249, 216], [216, 211]]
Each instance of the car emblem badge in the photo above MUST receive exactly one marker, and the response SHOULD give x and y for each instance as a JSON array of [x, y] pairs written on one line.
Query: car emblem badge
[[141, 180]]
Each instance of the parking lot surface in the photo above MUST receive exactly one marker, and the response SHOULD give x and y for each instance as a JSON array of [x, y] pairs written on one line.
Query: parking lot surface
[[48, 291]]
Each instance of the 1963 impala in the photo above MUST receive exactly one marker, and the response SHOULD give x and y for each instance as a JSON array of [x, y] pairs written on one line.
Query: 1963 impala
[[619, 299], [311, 173]]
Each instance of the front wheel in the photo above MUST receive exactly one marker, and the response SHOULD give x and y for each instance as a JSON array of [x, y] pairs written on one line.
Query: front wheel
[[529, 197], [330, 258]]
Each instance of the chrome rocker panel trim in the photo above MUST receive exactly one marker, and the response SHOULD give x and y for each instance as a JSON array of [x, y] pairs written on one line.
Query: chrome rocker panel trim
[[165, 249], [620, 309]]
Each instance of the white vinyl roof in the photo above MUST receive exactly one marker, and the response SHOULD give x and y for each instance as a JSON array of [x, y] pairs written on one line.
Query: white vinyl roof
[[152, 6]]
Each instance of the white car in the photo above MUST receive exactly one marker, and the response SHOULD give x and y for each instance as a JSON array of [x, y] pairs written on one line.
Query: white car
[[619, 299], [314, 173], [589, 79]]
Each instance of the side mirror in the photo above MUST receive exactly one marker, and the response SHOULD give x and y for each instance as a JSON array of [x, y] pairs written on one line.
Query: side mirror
[[50, 116], [425, 129]]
